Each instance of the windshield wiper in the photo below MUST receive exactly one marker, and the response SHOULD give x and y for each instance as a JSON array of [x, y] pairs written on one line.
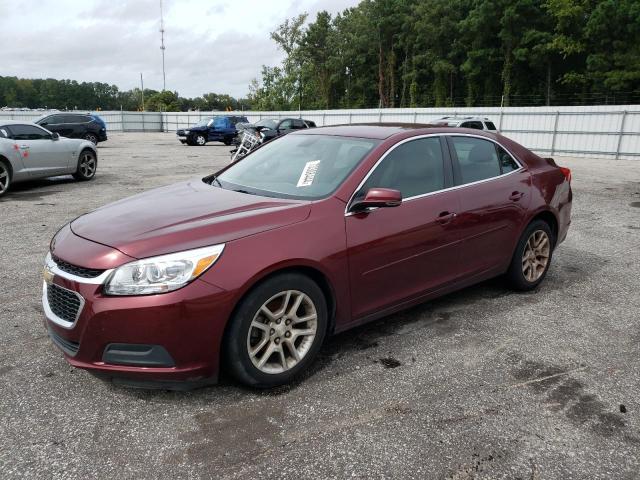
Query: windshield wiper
[[244, 191]]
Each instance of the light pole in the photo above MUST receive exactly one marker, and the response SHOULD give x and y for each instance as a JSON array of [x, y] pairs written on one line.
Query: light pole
[[162, 47]]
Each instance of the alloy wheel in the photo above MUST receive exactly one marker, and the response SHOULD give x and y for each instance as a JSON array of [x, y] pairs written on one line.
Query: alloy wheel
[[87, 165], [282, 332], [200, 140], [535, 257], [92, 138], [4, 179]]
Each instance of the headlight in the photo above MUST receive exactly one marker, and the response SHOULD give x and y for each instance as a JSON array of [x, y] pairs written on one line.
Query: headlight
[[187, 132], [162, 274]]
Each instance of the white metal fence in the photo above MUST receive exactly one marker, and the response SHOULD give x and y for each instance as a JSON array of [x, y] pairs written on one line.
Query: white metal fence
[[594, 131]]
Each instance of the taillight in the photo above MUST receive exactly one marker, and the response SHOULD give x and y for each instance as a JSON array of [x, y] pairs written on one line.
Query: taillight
[[566, 172]]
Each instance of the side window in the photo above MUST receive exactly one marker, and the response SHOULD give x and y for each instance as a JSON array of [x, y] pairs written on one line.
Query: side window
[[490, 126], [477, 159], [507, 163], [474, 124], [413, 168], [29, 132], [72, 119], [53, 120], [220, 122], [298, 124], [286, 125]]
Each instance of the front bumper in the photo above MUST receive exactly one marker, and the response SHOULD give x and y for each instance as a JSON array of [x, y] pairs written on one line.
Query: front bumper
[[170, 340]]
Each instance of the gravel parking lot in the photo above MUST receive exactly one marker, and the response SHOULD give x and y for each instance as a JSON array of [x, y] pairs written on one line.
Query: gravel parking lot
[[484, 383]]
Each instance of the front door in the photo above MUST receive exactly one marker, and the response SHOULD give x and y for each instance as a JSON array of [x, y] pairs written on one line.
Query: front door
[[41, 155], [399, 253]]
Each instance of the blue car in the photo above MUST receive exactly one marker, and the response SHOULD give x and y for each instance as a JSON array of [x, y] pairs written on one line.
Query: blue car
[[212, 129]]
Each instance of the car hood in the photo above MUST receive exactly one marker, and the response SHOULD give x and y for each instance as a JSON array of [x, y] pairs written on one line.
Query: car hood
[[183, 216]]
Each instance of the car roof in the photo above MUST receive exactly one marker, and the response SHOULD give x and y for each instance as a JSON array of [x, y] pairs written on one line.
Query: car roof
[[382, 131], [462, 119], [378, 131], [7, 123]]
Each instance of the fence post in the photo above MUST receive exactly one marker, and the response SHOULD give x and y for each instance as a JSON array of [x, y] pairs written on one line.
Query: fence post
[[555, 131], [500, 121], [122, 120], [143, 127], [324, 118], [380, 116], [624, 117], [349, 118], [415, 116]]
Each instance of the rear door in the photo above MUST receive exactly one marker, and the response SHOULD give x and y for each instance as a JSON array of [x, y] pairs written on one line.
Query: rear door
[[41, 155], [399, 253], [494, 196]]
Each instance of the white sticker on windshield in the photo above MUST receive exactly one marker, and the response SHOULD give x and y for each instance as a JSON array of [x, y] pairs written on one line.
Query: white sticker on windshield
[[308, 173]]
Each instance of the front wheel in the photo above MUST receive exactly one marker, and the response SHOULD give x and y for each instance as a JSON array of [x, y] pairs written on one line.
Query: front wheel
[[200, 140], [532, 258], [5, 178], [87, 166], [277, 331]]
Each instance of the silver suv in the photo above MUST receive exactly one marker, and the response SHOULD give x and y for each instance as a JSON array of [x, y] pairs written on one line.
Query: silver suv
[[478, 123]]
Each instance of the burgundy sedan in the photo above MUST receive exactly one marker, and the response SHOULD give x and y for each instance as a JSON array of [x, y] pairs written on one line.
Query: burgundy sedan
[[321, 230]]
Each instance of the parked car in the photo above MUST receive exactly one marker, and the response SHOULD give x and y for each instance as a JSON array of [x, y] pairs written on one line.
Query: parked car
[[270, 128], [477, 123], [75, 125], [28, 152], [251, 135], [213, 129], [316, 232]]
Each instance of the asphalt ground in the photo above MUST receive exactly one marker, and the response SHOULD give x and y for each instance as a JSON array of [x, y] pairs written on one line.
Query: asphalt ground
[[483, 383]]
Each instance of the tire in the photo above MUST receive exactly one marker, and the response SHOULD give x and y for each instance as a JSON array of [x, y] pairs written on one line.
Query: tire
[[87, 166], [5, 178], [281, 346], [91, 137], [200, 140], [532, 257], [227, 141]]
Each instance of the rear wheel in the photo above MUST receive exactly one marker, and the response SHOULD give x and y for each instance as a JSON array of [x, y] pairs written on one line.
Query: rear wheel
[[532, 257], [228, 140], [5, 177], [87, 166], [276, 331], [91, 137]]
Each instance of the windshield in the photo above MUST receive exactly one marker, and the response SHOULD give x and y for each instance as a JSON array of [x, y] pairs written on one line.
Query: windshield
[[267, 122], [203, 123], [297, 166]]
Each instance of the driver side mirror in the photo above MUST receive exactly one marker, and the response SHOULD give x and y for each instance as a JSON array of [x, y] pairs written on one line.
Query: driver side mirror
[[378, 198], [55, 136]]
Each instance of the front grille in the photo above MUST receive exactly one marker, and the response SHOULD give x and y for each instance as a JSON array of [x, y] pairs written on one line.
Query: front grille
[[76, 270], [67, 346], [64, 303]]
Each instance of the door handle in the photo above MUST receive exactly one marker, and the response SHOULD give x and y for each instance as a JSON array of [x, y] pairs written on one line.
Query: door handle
[[446, 217], [24, 147], [515, 196]]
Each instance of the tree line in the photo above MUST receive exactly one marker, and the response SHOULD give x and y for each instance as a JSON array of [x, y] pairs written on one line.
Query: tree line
[[412, 53], [436, 53], [71, 95]]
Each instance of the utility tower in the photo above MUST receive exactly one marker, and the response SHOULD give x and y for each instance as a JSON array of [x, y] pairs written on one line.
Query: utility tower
[[162, 47]]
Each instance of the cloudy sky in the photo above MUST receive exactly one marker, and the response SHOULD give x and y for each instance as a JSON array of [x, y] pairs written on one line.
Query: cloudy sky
[[211, 45]]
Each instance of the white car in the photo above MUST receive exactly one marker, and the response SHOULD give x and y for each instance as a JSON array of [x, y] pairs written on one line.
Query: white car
[[28, 151], [478, 123]]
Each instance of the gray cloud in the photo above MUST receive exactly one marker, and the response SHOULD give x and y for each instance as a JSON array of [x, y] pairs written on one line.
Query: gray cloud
[[211, 45]]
